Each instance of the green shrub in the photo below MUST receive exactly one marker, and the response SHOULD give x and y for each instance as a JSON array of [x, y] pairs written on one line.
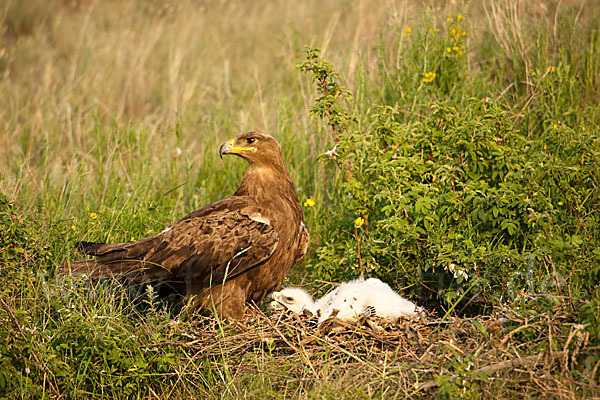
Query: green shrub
[[462, 200]]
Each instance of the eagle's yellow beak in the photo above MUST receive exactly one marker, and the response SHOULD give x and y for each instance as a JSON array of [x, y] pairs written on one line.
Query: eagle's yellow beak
[[229, 148]]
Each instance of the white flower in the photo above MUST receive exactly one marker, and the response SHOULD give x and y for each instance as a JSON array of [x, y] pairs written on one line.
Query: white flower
[[269, 341], [457, 272], [331, 153], [460, 273], [177, 152]]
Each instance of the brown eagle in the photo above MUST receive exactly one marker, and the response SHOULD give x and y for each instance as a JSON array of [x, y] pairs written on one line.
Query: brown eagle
[[233, 251]]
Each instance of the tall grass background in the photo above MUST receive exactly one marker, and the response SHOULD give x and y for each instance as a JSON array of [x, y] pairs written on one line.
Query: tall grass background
[[111, 116]]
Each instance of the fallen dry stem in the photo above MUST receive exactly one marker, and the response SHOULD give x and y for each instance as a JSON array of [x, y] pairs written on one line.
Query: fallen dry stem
[[528, 361]]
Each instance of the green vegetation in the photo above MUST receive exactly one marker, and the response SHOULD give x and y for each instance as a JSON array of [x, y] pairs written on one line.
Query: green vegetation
[[459, 148]]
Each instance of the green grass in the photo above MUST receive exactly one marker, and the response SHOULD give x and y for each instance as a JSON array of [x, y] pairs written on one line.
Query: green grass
[[99, 99]]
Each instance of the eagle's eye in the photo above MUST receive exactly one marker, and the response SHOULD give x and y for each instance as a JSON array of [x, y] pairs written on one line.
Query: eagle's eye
[[251, 140], [289, 299]]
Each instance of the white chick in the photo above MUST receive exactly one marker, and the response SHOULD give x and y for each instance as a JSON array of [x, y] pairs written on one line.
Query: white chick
[[359, 297], [294, 299], [352, 299]]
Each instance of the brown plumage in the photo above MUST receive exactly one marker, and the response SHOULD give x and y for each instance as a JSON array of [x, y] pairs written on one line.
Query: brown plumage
[[233, 251]]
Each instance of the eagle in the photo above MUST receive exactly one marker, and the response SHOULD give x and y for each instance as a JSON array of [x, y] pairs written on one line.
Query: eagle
[[234, 251]]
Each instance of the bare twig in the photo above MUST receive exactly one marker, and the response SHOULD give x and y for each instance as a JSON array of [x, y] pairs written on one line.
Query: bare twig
[[555, 297], [362, 275], [529, 361]]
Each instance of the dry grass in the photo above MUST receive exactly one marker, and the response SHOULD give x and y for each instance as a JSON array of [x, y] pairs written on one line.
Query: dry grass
[[484, 356], [188, 72]]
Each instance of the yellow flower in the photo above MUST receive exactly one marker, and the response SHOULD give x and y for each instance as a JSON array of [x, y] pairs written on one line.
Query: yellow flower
[[132, 239], [93, 215], [455, 32], [455, 48], [407, 31], [551, 69], [309, 203], [560, 203], [429, 77], [459, 17], [450, 19], [555, 126], [448, 49], [73, 227], [358, 222]]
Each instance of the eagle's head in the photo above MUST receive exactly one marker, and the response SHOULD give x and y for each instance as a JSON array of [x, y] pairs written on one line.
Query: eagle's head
[[255, 147]]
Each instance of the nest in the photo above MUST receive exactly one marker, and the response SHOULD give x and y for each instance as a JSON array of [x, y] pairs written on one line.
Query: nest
[[413, 355]]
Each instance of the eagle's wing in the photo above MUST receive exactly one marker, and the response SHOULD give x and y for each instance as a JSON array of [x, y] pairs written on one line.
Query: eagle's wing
[[303, 239], [210, 245], [216, 247]]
